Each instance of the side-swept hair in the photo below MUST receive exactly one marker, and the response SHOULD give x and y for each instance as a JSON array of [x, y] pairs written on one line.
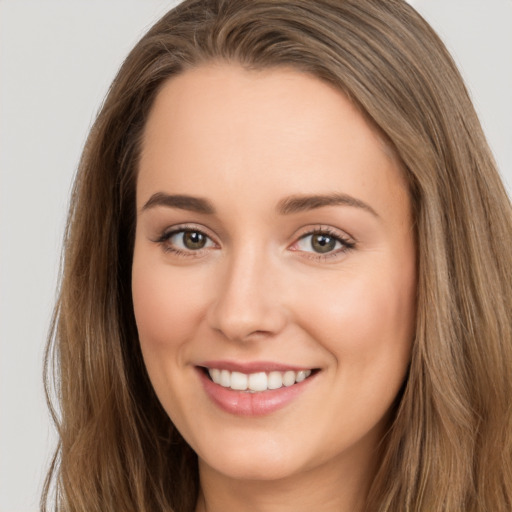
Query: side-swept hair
[[449, 447]]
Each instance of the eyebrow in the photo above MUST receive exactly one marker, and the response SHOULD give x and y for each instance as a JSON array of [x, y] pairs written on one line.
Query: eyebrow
[[287, 206], [182, 202], [297, 204]]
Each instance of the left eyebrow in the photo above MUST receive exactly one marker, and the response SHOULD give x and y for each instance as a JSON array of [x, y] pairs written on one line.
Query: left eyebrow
[[297, 204]]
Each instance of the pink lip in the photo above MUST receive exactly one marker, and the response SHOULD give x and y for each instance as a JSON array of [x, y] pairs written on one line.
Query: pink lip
[[243, 403]]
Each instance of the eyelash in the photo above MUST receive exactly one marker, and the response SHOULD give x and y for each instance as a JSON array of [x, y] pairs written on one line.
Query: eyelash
[[167, 235], [345, 242]]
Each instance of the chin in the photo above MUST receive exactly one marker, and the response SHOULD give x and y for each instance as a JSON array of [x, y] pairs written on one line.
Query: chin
[[241, 468], [268, 460]]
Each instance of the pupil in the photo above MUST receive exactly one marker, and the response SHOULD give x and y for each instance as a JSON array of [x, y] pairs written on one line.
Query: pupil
[[194, 240], [323, 243]]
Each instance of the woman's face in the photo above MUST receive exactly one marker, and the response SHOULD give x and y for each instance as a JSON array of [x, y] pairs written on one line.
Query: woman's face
[[274, 249]]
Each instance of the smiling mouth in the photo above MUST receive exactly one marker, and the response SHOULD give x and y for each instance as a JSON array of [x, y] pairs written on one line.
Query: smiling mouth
[[258, 381]]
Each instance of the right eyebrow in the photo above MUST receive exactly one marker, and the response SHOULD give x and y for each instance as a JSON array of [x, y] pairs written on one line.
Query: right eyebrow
[[180, 201]]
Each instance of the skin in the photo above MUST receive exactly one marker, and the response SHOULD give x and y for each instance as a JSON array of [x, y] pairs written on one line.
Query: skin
[[258, 291]]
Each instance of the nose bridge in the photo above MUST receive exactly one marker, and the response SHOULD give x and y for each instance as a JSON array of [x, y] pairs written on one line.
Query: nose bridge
[[247, 299]]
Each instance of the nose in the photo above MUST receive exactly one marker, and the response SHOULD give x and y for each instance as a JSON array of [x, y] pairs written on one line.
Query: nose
[[247, 304]]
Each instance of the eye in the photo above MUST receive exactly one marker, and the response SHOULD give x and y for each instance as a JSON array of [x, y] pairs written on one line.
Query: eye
[[191, 240], [185, 241], [319, 242], [323, 242]]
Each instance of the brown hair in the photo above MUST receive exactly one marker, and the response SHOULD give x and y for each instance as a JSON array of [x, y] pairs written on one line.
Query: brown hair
[[449, 447]]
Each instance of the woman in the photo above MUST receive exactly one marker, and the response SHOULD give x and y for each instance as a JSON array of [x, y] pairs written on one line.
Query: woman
[[287, 273]]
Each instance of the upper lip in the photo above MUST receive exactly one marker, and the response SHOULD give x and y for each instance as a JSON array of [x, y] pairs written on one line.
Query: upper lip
[[253, 366]]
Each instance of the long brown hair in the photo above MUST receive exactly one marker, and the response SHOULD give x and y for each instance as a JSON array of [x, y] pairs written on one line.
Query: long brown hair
[[449, 447]]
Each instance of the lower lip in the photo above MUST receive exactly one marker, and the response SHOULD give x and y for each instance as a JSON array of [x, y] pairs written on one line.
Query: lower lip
[[243, 403]]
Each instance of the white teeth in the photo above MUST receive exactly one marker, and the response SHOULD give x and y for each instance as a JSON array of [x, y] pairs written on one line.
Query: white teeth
[[275, 380], [259, 381], [306, 373], [289, 378], [238, 381], [215, 375], [225, 378], [301, 375]]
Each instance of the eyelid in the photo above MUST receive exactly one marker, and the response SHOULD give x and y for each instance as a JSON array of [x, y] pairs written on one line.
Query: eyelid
[[169, 232], [348, 242], [324, 228]]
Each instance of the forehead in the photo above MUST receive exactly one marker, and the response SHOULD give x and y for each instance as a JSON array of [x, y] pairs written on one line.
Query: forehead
[[262, 96], [222, 124]]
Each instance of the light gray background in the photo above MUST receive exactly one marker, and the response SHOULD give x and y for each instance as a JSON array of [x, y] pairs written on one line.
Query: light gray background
[[57, 59]]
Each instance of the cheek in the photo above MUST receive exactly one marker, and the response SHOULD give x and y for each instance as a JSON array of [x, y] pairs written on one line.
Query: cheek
[[363, 320], [156, 308], [167, 305]]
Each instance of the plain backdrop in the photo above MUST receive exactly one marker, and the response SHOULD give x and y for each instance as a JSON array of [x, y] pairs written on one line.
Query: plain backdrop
[[57, 59]]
